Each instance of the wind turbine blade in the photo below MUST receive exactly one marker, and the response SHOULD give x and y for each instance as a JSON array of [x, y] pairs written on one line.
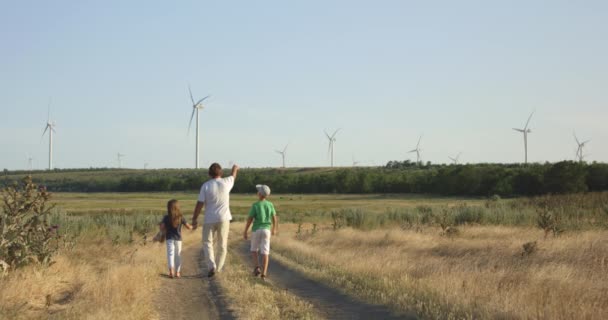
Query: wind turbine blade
[[201, 100], [418, 144], [335, 132], [191, 97], [414, 150], [45, 128], [191, 117], [285, 149], [520, 130], [328, 137], [575, 138], [329, 148], [527, 122]]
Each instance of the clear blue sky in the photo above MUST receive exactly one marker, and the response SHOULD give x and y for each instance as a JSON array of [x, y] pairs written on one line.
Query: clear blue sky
[[463, 73]]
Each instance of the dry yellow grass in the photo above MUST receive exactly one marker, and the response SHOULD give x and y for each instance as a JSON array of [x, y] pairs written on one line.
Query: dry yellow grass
[[479, 274], [96, 280], [251, 298]]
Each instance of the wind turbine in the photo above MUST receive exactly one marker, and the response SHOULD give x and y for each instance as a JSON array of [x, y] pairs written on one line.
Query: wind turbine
[[332, 140], [50, 126], [417, 150], [579, 150], [455, 159], [525, 131], [196, 108], [282, 153], [30, 162], [119, 157], [145, 165], [355, 162]]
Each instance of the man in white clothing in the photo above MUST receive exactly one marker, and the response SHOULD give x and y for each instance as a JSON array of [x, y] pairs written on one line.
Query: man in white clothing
[[215, 197]]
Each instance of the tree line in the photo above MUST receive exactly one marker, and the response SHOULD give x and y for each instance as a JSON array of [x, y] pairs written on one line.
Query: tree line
[[395, 177]]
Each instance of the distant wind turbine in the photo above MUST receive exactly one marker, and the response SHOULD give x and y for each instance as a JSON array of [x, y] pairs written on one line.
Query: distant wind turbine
[[355, 162], [30, 162], [196, 107], [455, 159], [579, 151], [332, 140], [145, 166], [525, 131], [50, 126], [119, 157], [417, 150], [283, 153]]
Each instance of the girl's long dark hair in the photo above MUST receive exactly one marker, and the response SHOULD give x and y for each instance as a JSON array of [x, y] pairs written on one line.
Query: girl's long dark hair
[[175, 214]]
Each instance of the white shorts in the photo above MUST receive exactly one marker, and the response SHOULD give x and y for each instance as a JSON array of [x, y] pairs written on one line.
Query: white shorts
[[260, 241]]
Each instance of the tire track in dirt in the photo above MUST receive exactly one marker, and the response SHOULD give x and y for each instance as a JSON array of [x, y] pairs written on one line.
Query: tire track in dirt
[[330, 302]]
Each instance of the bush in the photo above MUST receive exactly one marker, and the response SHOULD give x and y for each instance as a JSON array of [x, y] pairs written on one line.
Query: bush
[[25, 233]]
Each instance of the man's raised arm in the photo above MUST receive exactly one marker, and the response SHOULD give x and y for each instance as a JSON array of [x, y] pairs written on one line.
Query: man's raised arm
[[235, 170]]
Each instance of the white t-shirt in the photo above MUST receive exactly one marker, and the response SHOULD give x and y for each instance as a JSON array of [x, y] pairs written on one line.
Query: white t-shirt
[[215, 193]]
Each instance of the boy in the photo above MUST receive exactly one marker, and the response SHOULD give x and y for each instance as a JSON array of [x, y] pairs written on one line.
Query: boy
[[263, 216]]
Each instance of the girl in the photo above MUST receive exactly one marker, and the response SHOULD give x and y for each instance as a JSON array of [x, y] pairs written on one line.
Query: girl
[[172, 227]]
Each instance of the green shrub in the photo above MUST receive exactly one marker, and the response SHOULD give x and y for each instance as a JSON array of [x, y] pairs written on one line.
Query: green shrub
[[25, 233]]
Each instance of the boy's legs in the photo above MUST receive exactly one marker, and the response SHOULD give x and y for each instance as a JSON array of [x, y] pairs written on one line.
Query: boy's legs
[[170, 257], [255, 246], [208, 245], [223, 228], [264, 249]]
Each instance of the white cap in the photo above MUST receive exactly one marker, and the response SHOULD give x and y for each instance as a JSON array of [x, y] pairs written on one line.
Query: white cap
[[263, 189]]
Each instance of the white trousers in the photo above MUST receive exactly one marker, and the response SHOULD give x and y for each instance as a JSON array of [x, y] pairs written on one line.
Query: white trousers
[[215, 234], [174, 254]]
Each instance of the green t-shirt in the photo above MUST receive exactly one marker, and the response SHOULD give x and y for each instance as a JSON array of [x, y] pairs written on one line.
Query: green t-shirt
[[262, 213]]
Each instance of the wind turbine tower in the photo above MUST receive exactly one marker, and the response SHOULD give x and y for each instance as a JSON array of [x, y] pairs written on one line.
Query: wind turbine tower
[[50, 126], [417, 150], [525, 132], [579, 151], [283, 153], [119, 157], [332, 140], [197, 106]]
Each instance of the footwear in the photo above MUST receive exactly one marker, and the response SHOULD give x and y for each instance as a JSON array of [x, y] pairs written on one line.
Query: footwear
[[256, 271], [211, 273], [263, 277]]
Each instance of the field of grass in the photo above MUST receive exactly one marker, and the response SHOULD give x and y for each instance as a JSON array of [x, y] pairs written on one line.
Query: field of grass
[[439, 257], [484, 272], [92, 278]]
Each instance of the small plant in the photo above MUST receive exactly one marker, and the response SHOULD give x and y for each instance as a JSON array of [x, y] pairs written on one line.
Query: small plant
[[492, 201], [25, 232], [299, 231], [338, 220], [314, 229], [444, 220], [548, 221], [451, 231], [529, 248]]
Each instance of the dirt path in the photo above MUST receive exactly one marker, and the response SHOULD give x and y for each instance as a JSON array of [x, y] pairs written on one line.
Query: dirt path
[[330, 302], [189, 296]]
